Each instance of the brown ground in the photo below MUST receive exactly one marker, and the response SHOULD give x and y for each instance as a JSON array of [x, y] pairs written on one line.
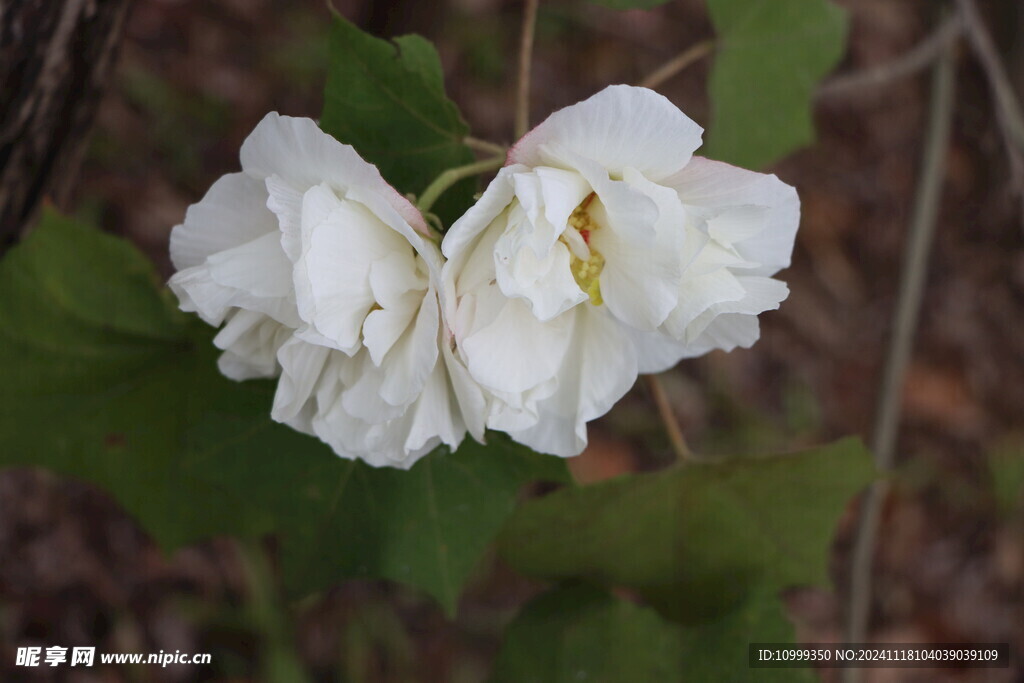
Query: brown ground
[[196, 77]]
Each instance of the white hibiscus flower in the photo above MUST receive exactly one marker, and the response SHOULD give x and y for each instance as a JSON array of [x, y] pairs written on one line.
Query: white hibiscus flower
[[604, 249], [322, 274]]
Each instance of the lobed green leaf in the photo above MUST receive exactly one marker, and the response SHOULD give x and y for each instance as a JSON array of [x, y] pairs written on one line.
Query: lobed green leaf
[[695, 540], [387, 100], [102, 378], [576, 632], [770, 56]]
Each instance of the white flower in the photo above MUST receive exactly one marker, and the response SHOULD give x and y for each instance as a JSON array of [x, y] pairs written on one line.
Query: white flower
[[604, 249], [316, 266]]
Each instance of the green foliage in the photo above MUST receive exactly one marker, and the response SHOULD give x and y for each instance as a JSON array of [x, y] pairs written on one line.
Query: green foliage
[[101, 378], [426, 527], [576, 632], [387, 100], [770, 56], [716, 650], [695, 540], [580, 633]]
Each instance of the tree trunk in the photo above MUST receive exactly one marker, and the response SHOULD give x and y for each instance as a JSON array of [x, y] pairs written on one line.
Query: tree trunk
[[55, 57]]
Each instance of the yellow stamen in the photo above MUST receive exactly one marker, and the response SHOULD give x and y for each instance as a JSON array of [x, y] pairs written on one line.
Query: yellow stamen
[[585, 271]]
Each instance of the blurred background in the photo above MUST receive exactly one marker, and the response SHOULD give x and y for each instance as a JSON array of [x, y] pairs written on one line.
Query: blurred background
[[194, 77]]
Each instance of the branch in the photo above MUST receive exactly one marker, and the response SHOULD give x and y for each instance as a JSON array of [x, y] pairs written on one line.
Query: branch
[[914, 60], [668, 418], [677, 64], [525, 55], [452, 176], [922, 230], [484, 145], [1008, 111]]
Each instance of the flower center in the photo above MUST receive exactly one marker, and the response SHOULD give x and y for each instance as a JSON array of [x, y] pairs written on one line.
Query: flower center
[[586, 263]]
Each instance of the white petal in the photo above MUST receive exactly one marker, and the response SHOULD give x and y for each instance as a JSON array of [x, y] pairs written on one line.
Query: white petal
[[760, 294], [250, 341], [716, 185], [467, 392], [259, 268], [297, 150], [618, 127], [302, 365], [435, 415], [412, 358], [599, 369], [198, 293], [492, 202], [394, 276], [726, 332], [546, 284], [362, 399], [285, 200], [335, 266], [699, 294], [563, 191], [639, 283], [515, 351], [656, 351], [233, 212], [383, 327]]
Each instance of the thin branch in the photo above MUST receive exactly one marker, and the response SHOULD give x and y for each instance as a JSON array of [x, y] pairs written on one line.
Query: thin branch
[[1008, 110], [525, 57], [668, 418], [677, 64], [914, 60], [485, 146], [452, 176], [922, 230]]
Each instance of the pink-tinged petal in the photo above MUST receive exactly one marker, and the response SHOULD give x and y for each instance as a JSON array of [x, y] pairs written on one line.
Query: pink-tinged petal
[[618, 127], [716, 185], [233, 212], [296, 149]]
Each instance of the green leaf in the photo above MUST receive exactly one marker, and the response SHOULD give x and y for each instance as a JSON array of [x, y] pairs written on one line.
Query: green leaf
[[102, 378], [770, 56], [576, 632], [716, 650], [695, 540], [426, 527], [387, 100], [629, 4], [580, 633]]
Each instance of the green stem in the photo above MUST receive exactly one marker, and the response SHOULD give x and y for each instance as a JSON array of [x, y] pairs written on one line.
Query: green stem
[[452, 176]]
